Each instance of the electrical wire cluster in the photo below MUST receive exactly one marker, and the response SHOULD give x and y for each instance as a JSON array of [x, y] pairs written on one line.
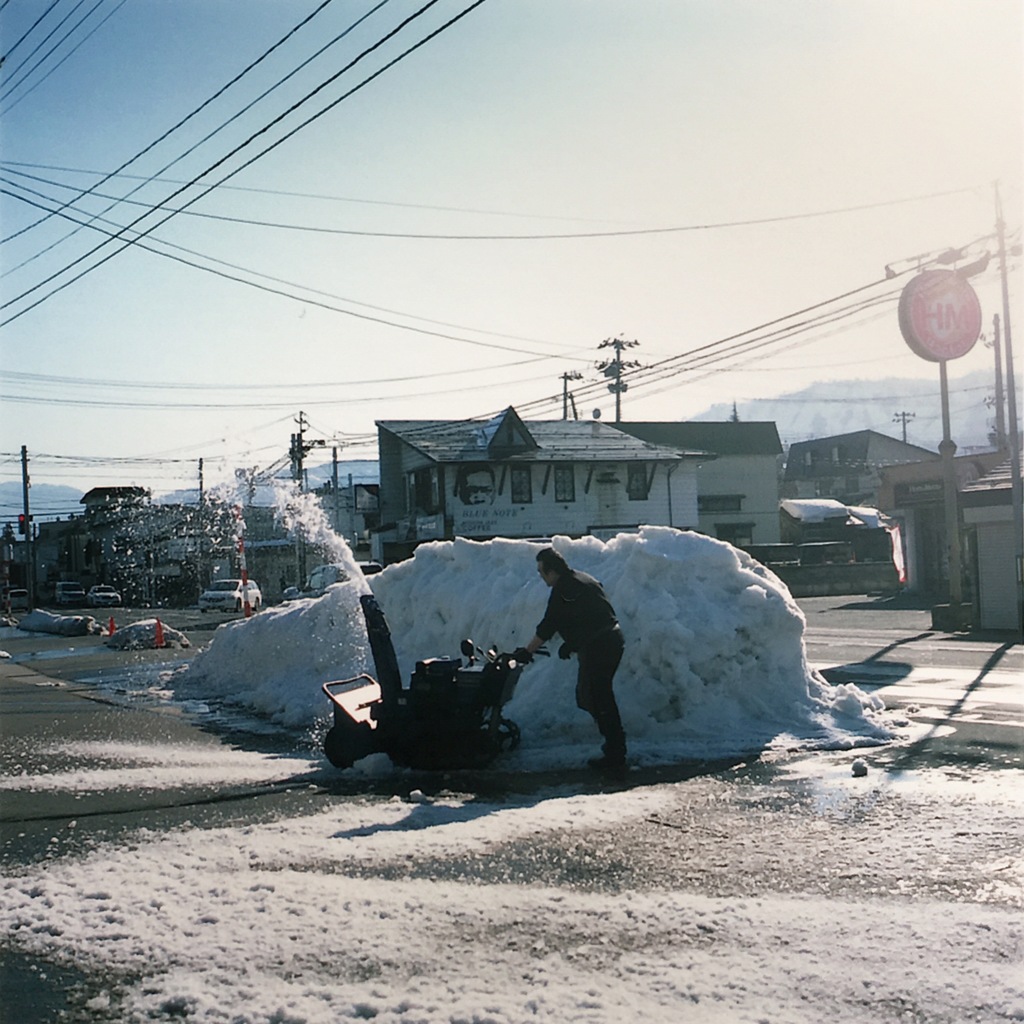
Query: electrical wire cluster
[[63, 26]]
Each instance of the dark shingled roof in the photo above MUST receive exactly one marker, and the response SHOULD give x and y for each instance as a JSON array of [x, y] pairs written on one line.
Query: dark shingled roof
[[995, 488], [557, 440], [721, 438]]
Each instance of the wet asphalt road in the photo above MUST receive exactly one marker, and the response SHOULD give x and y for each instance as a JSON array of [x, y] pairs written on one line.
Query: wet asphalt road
[[827, 836], [962, 690]]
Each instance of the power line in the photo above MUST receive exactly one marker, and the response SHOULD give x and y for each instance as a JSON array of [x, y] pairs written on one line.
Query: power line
[[188, 117], [306, 300], [256, 157], [42, 42], [39, 63], [10, 164], [27, 31], [492, 237], [66, 56]]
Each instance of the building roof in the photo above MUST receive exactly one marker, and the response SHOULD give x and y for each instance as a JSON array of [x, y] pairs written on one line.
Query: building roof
[[994, 488], [856, 451], [719, 437], [857, 443], [552, 441], [105, 495]]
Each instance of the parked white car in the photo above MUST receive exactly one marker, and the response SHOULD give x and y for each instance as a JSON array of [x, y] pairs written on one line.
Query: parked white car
[[102, 596], [226, 596]]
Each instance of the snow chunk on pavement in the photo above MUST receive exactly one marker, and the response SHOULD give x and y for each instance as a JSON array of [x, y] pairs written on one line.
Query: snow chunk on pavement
[[41, 621], [143, 635]]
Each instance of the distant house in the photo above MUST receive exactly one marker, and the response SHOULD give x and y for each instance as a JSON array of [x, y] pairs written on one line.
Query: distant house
[[846, 467], [737, 489], [988, 517], [509, 478]]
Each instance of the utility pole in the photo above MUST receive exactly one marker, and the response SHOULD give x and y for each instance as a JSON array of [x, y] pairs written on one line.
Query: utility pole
[[999, 400], [566, 377], [201, 531], [1011, 391], [300, 448], [30, 559], [613, 368], [904, 418], [334, 489]]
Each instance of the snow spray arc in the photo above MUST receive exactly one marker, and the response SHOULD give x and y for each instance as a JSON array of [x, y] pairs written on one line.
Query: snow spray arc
[[303, 516]]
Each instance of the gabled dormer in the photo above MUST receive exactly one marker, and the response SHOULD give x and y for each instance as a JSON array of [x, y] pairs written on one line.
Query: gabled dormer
[[505, 435]]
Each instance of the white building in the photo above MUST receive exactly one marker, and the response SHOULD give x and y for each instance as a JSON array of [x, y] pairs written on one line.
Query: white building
[[507, 478], [737, 484], [988, 514]]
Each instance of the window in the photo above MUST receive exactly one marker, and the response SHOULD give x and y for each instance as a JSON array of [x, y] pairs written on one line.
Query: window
[[636, 481], [424, 491], [737, 534], [522, 485], [565, 484], [720, 503]]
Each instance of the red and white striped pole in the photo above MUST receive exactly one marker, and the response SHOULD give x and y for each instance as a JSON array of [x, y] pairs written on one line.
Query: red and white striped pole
[[240, 533]]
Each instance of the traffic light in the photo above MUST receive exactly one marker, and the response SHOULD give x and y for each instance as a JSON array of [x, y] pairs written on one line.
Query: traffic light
[[21, 522]]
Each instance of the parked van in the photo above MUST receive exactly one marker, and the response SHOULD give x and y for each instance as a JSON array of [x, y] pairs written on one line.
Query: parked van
[[72, 594]]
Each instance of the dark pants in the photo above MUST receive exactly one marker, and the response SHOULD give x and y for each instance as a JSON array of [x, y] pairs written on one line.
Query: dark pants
[[597, 664]]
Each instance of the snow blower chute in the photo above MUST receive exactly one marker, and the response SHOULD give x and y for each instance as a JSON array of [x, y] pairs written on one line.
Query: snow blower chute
[[448, 717]]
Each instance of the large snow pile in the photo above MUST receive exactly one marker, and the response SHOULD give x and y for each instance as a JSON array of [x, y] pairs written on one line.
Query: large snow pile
[[714, 663]]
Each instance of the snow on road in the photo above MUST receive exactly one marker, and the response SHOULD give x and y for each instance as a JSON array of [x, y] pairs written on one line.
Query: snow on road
[[324, 918]]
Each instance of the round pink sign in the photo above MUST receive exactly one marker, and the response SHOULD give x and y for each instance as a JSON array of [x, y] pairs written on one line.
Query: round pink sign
[[940, 315]]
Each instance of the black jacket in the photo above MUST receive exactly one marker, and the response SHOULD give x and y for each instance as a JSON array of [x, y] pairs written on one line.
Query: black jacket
[[578, 610]]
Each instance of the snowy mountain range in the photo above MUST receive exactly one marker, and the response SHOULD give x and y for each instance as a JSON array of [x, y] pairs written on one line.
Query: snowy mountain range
[[841, 407]]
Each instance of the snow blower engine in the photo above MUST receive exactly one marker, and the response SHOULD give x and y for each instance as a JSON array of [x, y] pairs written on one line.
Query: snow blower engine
[[448, 717]]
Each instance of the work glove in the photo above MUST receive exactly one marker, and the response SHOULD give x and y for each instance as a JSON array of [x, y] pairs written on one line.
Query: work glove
[[522, 656], [565, 652]]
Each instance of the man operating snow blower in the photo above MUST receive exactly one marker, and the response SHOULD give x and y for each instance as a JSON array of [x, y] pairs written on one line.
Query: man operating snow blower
[[580, 612]]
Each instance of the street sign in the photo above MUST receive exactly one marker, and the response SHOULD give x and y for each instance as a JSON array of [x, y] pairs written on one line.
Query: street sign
[[940, 315]]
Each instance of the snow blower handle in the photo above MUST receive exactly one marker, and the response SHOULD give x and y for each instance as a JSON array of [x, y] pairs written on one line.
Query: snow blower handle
[[521, 656]]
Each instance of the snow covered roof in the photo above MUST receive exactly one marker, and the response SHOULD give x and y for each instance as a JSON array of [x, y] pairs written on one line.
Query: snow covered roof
[[555, 440], [818, 510], [814, 510]]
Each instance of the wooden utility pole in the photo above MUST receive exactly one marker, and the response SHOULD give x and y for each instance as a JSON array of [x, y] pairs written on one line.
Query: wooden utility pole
[[1016, 498], [903, 417], [1000, 398], [613, 368], [30, 558], [566, 377]]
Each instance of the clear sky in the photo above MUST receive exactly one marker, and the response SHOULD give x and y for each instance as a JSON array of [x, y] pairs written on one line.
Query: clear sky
[[794, 148]]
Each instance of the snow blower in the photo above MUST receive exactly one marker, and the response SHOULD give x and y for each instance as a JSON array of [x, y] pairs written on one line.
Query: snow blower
[[448, 717]]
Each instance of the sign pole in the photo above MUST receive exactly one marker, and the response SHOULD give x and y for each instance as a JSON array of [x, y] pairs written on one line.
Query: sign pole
[[940, 319], [947, 449]]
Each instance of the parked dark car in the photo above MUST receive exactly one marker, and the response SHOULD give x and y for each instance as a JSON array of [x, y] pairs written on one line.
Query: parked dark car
[[70, 594]]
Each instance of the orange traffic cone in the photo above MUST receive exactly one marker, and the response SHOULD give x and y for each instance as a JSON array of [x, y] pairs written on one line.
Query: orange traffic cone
[[159, 638], [111, 627]]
